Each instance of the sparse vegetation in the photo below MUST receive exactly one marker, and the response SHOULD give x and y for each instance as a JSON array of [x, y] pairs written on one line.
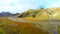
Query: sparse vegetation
[[59, 30], [11, 27]]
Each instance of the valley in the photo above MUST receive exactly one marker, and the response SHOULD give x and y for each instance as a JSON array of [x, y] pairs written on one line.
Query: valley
[[20, 26]]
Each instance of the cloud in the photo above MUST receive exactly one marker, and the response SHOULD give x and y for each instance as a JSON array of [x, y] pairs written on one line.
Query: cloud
[[22, 5], [18, 5]]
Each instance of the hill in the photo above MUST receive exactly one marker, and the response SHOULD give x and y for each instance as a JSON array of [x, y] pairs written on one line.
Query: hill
[[41, 13], [7, 14]]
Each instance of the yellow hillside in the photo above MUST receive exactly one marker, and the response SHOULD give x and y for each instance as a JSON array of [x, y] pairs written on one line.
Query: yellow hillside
[[41, 13]]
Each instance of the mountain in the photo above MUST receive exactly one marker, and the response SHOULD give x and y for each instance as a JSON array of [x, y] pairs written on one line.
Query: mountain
[[7, 14], [41, 13], [34, 13]]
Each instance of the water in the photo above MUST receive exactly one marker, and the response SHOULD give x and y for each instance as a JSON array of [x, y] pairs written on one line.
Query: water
[[56, 30]]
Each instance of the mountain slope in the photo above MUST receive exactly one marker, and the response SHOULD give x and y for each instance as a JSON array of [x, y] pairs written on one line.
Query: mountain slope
[[7, 14], [41, 13]]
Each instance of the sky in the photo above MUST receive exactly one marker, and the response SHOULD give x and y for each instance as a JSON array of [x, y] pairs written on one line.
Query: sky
[[18, 6]]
